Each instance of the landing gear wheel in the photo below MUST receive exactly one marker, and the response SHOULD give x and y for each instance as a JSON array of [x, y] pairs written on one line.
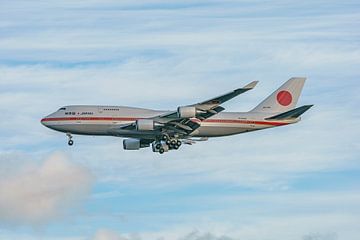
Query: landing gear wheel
[[70, 142], [173, 142], [168, 142], [176, 147], [158, 146], [161, 150], [178, 143], [165, 137]]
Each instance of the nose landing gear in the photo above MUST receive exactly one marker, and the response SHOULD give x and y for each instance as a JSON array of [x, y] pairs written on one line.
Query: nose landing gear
[[70, 142]]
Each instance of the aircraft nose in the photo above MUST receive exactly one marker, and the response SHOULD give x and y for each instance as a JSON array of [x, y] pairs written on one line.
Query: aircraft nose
[[45, 121]]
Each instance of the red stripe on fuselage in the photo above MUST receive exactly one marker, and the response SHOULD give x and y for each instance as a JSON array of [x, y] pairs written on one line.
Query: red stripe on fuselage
[[88, 119], [134, 119]]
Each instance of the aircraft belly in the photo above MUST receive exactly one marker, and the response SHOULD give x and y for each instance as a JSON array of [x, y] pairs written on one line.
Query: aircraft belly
[[218, 131]]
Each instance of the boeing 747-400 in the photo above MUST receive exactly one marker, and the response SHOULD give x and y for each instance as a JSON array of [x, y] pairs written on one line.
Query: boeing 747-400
[[168, 130]]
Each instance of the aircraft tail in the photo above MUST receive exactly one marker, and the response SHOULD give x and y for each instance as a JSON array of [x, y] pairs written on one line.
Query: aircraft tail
[[284, 98]]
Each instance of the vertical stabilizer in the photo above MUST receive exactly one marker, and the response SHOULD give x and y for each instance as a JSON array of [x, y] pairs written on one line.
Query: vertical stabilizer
[[284, 98]]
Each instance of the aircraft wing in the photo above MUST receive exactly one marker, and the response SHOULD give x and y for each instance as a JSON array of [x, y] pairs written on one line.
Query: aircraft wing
[[225, 97], [212, 106], [172, 123]]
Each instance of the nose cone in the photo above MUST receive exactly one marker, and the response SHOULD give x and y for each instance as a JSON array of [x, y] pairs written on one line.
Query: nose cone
[[46, 121]]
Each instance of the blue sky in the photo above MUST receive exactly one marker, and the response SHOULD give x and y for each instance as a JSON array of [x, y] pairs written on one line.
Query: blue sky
[[295, 182]]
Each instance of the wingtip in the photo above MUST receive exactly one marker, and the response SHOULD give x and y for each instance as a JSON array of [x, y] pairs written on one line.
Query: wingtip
[[251, 85]]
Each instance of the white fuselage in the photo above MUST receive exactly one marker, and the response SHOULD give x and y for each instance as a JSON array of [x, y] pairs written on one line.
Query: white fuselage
[[102, 120]]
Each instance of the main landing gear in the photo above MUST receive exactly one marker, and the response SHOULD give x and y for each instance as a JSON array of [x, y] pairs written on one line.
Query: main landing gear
[[165, 144], [70, 142]]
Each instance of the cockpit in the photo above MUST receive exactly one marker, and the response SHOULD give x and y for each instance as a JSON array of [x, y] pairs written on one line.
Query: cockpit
[[62, 109]]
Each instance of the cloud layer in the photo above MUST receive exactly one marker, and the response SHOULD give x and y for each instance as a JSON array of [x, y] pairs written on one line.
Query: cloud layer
[[37, 194]]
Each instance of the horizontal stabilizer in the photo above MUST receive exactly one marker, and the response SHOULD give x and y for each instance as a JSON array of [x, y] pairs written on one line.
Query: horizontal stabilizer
[[294, 113]]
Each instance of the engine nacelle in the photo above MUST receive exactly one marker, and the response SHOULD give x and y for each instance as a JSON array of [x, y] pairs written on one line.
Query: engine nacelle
[[134, 144], [145, 125], [186, 112]]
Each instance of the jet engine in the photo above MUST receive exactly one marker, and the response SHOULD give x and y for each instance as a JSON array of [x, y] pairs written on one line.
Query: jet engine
[[186, 112], [145, 125], [134, 144]]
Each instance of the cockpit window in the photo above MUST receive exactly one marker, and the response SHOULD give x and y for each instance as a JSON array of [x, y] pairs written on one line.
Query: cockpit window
[[61, 109]]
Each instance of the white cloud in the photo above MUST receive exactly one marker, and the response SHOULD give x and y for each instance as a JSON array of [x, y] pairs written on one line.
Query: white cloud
[[320, 236], [259, 216], [224, 233], [195, 235], [106, 234], [37, 194]]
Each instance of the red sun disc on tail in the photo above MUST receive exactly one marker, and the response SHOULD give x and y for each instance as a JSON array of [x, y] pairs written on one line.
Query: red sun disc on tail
[[284, 98]]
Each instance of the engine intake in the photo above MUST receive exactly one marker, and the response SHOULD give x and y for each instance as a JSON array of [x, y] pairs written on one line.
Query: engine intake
[[134, 144], [186, 112], [145, 125]]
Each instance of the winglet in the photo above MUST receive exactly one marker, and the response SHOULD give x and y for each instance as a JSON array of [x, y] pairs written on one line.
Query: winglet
[[251, 85]]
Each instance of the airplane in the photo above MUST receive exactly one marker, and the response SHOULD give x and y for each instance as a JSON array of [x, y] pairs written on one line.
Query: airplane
[[168, 130]]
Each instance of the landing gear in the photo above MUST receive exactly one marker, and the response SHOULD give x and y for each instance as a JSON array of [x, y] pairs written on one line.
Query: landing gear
[[70, 142], [160, 147], [166, 143], [174, 143], [178, 143]]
